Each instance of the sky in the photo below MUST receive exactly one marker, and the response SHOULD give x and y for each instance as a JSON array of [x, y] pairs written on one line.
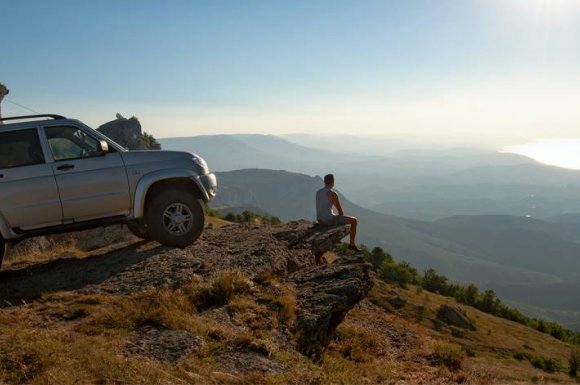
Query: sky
[[489, 72]]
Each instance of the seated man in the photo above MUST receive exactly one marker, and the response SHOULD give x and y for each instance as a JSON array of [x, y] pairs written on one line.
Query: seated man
[[326, 197]]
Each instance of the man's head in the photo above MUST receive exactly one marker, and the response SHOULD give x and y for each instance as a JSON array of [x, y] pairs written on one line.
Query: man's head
[[329, 180]]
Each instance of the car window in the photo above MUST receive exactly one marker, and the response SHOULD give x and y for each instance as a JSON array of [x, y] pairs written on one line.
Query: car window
[[68, 143], [20, 148]]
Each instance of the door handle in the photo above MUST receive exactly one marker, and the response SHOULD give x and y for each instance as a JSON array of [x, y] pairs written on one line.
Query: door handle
[[65, 167]]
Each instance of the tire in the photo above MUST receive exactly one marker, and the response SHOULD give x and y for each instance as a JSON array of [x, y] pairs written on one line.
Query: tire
[[139, 229], [175, 218], [3, 250]]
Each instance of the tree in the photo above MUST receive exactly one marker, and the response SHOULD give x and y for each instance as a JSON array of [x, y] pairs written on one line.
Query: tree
[[434, 282], [471, 294]]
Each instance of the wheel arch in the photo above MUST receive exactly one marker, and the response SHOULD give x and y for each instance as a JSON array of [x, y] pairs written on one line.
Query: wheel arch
[[157, 181]]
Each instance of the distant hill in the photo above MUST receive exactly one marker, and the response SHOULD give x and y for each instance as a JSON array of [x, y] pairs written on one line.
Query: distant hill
[[420, 184], [290, 196], [559, 301], [232, 152], [569, 218], [515, 241]]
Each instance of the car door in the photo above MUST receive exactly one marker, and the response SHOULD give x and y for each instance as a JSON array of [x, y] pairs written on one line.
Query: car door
[[28, 191], [92, 184]]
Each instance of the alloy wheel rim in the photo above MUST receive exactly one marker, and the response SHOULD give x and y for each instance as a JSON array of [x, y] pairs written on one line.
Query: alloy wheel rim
[[177, 219]]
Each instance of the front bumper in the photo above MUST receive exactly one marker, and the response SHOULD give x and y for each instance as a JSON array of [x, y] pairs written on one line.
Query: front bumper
[[209, 183]]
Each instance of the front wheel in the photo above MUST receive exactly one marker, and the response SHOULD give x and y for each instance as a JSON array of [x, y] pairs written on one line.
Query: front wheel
[[175, 218], [3, 250]]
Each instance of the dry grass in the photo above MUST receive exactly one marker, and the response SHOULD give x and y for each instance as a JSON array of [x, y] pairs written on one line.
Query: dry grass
[[68, 338], [446, 354], [216, 223], [22, 255], [222, 287]]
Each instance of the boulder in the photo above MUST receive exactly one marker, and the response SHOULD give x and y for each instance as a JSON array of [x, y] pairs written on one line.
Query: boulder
[[454, 316], [163, 344], [325, 295], [397, 302]]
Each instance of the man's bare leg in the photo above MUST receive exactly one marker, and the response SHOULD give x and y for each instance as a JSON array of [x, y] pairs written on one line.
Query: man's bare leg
[[352, 221]]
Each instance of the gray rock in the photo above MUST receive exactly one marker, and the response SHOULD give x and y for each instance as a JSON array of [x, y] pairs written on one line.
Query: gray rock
[[128, 133], [326, 294], [238, 362], [454, 316], [397, 302], [163, 344]]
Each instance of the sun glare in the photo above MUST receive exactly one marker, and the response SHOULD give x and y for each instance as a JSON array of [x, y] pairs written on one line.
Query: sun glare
[[556, 152], [546, 11]]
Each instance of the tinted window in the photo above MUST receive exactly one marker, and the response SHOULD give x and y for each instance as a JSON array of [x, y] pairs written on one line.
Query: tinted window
[[20, 148], [71, 143]]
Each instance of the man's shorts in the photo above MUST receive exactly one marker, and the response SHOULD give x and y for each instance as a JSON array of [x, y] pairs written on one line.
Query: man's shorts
[[336, 220]]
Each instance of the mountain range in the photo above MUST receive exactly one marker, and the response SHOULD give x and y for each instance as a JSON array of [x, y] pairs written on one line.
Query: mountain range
[[419, 184]]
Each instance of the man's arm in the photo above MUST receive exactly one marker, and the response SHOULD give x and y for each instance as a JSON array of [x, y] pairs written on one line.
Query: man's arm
[[333, 197]]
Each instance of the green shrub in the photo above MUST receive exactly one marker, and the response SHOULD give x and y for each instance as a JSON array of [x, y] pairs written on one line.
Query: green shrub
[[377, 257], [434, 282], [211, 212], [547, 364], [520, 356], [250, 217], [397, 273]]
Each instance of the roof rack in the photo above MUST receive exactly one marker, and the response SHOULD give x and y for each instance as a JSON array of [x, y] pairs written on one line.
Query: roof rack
[[53, 116]]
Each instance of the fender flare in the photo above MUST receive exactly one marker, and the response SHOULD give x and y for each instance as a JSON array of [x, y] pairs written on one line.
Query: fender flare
[[151, 178]]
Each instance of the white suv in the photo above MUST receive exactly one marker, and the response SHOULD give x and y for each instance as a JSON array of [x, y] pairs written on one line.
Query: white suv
[[59, 175]]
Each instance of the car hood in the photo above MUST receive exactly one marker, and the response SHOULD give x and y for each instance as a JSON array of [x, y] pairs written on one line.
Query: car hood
[[139, 157]]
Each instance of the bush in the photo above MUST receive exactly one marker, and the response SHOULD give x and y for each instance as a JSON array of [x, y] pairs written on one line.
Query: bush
[[211, 212], [448, 355], [220, 290], [520, 356], [398, 273], [434, 282], [547, 364], [250, 217], [378, 257]]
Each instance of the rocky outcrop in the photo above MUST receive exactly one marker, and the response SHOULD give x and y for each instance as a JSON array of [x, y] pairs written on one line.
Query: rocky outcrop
[[128, 133], [454, 316], [326, 294], [163, 344]]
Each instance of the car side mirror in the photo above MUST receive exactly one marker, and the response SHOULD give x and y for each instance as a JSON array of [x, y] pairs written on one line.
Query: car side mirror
[[103, 147]]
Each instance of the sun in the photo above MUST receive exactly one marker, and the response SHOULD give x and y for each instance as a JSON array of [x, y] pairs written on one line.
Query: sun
[[555, 152], [545, 11]]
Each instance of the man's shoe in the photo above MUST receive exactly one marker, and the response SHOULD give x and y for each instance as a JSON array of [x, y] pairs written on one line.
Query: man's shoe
[[354, 248]]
